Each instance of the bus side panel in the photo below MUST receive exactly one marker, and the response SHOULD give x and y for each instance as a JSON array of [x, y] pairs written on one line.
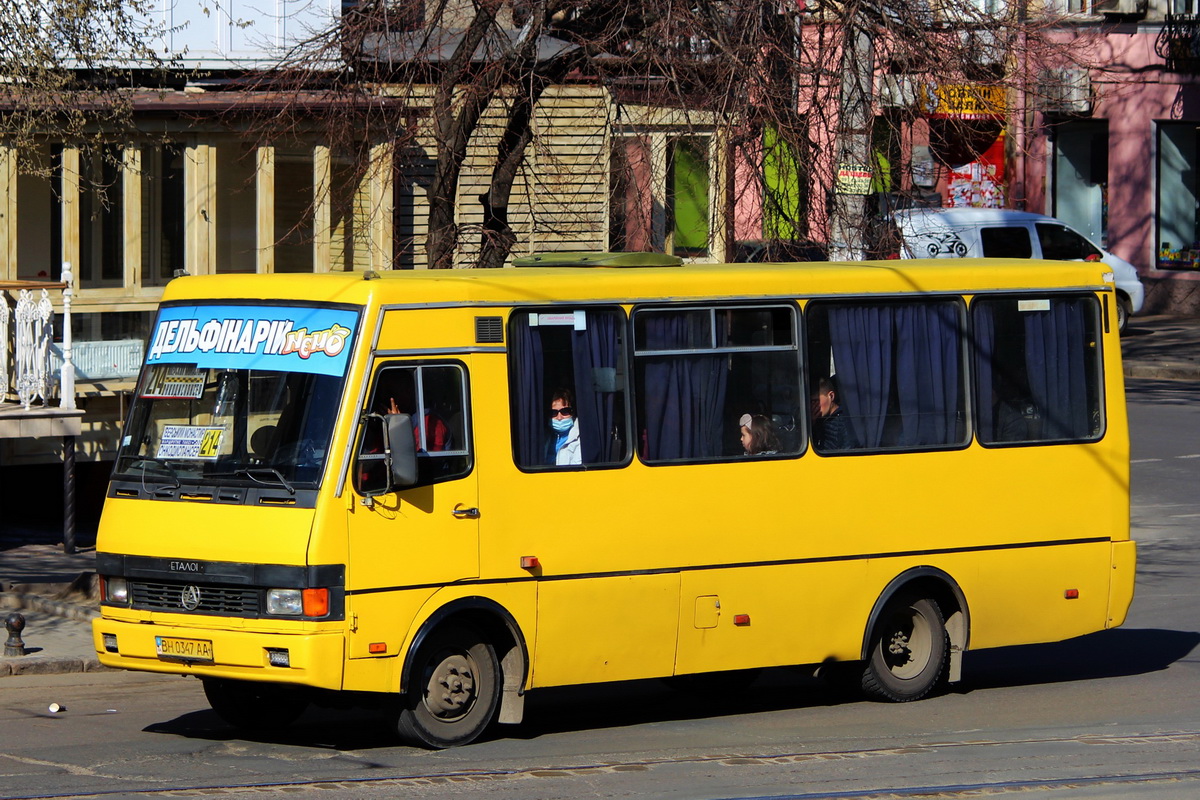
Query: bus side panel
[[616, 628], [1023, 595], [771, 616]]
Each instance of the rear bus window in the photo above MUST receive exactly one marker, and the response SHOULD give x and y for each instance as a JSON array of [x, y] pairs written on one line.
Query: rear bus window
[[700, 373], [1037, 367], [886, 376]]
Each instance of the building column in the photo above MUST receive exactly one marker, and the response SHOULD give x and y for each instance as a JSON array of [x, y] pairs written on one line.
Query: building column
[[322, 208], [131, 225], [382, 203], [8, 212], [264, 180], [70, 210]]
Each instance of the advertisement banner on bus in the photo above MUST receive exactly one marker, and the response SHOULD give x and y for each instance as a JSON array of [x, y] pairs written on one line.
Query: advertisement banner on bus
[[284, 338]]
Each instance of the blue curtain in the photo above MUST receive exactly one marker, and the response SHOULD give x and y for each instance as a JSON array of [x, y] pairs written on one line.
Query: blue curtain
[[683, 395], [927, 373], [595, 348], [984, 317], [862, 354], [530, 415], [1055, 361]]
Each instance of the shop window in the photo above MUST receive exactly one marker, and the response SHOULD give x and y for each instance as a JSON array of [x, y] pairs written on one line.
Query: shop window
[[1037, 365], [101, 219], [162, 213], [699, 372], [1178, 209], [236, 213], [568, 359], [293, 211], [895, 372], [688, 196], [39, 214]]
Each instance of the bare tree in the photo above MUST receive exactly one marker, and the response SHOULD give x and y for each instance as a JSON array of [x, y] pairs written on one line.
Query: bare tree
[[69, 67], [801, 77]]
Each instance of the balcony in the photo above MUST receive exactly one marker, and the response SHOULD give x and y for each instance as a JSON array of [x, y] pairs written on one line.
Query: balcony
[[1178, 43]]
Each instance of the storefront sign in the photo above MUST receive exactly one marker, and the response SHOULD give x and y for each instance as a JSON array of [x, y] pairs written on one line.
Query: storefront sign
[[964, 101]]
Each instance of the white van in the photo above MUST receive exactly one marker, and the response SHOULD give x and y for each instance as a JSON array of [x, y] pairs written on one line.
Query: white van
[[1001, 233]]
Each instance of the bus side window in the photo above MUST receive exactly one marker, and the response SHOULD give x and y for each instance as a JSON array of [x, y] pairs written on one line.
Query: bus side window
[[1037, 367], [434, 395], [579, 354], [700, 371], [897, 371]]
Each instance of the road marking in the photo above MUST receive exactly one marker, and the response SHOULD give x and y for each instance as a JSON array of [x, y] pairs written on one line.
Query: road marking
[[1193, 455], [1144, 460]]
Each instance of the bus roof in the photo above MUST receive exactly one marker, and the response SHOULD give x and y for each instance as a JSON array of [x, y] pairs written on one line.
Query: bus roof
[[546, 285]]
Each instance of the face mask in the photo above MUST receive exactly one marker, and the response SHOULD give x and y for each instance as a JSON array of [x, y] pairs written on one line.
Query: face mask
[[562, 425]]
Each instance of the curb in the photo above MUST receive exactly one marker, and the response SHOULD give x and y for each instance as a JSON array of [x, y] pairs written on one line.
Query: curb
[[1163, 371], [18, 601], [49, 665]]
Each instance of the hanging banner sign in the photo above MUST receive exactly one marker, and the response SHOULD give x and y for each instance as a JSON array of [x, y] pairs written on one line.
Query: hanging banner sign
[[285, 338], [964, 101], [853, 179]]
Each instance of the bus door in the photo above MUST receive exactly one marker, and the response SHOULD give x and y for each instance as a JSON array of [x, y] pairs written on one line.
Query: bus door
[[407, 542]]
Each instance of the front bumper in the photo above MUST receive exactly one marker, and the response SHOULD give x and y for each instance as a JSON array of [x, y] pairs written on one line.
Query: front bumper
[[314, 659]]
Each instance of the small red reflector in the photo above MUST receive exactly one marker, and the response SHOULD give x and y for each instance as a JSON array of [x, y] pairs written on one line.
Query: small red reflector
[[316, 602], [1071, 594], [377, 647], [741, 619], [530, 562]]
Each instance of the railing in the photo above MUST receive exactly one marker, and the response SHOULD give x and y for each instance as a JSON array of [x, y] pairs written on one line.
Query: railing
[[1178, 43], [27, 322]]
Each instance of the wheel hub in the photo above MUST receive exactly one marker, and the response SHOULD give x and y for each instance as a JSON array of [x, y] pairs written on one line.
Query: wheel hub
[[451, 688]]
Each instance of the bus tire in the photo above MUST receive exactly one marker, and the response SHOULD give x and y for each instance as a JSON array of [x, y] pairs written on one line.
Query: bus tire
[[454, 689], [255, 706], [909, 650]]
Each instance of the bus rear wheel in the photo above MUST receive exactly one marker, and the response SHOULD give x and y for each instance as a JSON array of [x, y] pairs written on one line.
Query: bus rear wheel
[[453, 689], [909, 650], [254, 706]]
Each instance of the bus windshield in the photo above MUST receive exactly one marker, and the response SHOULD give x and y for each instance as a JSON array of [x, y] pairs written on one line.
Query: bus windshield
[[192, 425], [237, 394]]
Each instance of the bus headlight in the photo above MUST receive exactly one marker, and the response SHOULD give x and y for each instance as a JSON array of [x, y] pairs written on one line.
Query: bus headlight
[[284, 602], [116, 591], [298, 602]]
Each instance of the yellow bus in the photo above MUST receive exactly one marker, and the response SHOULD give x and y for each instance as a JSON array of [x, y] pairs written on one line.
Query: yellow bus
[[433, 492]]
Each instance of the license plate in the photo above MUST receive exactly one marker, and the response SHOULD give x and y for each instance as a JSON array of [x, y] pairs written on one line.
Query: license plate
[[184, 649]]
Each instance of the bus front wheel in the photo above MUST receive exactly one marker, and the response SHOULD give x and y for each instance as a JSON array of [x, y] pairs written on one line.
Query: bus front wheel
[[253, 706], [453, 689], [909, 650]]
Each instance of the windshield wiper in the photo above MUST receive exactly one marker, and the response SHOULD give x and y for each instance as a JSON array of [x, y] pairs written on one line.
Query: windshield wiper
[[162, 462], [249, 472]]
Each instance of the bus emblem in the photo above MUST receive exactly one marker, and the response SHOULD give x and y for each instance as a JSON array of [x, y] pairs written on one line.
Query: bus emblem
[[191, 597]]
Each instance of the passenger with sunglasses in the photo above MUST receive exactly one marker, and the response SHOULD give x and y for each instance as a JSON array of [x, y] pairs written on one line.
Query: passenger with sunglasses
[[563, 447]]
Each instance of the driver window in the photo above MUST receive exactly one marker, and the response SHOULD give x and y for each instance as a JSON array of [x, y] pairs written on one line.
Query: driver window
[[435, 398], [1061, 243]]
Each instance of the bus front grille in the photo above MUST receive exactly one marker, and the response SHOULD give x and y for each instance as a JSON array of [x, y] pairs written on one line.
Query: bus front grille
[[190, 598]]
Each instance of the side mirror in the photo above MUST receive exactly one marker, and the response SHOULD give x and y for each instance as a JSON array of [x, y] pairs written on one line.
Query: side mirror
[[387, 454], [403, 449]]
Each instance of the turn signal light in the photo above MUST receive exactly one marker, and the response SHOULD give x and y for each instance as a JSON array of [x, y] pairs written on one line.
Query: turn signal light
[[316, 602], [377, 647], [741, 619], [1071, 594]]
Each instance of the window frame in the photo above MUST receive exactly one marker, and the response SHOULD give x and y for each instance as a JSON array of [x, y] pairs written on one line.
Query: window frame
[[965, 381], [797, 329], [624, 367], [1097, 362], [467, 450]]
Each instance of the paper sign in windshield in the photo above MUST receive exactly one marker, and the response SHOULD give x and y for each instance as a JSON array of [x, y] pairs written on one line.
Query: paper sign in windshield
[[190, 442], [284, 338], [175, 383]]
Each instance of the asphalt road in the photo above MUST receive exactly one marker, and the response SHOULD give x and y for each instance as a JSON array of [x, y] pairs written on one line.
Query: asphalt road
[[1114, 714]]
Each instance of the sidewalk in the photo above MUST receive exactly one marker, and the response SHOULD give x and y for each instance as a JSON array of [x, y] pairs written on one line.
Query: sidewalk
[[57, 595]]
